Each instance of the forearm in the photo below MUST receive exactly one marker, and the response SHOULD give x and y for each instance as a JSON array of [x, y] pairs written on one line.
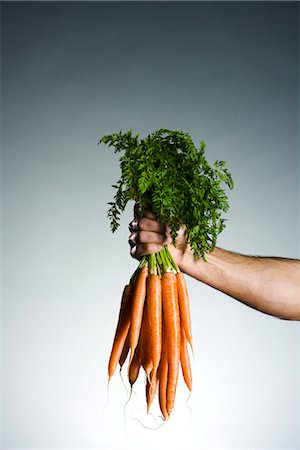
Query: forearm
[[270, 285]]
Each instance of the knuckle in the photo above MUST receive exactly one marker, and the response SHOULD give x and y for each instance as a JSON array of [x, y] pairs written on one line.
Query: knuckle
[[136, 210], [133, 252], [133, 226], [136, 252], [132, 240]]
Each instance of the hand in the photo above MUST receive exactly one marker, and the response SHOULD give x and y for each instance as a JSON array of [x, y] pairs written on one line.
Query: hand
[[148, 236]]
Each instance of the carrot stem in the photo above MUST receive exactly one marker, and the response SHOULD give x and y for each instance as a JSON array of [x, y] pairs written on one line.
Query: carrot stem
[[152, 264], [165, 261], [170, 259]]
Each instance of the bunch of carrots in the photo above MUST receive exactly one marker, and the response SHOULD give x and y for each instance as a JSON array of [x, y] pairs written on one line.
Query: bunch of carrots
[[154, 329], [167, 173]]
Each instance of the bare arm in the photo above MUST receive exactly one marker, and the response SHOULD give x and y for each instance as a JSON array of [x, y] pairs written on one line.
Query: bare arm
[[267, 284]]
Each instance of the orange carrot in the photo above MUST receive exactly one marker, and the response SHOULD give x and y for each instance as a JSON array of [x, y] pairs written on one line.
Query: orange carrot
[[151, 389], [154, 313], [121, 330], [185, 361], [184, 306], [134, 367], [138, 301], [144, 343], [163, 378], [125, 352], [172, 325]]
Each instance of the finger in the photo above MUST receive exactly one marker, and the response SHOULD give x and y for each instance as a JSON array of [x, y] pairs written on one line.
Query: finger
[[145, 249], [150, 214], [149, 224], [150, 237]]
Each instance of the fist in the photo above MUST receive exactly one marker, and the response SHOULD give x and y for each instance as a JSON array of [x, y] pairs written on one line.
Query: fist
[[147, 235]]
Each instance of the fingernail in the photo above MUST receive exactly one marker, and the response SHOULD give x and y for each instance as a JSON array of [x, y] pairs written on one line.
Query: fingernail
[[168, 240], [168, 229]]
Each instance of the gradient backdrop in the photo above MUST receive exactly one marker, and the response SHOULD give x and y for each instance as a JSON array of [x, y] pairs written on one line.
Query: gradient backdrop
[[228, 73]]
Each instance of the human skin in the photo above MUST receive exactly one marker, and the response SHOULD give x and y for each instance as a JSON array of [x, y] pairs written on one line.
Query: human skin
[[267, 284]]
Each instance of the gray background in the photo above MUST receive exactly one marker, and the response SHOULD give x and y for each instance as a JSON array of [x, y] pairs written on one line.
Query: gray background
[[71, 72]]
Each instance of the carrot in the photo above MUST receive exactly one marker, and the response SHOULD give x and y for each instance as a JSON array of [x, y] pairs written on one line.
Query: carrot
[[154, 313], [185, 360], [184, 306], [134, 367], [138, 301], [121, 330], [172, 325], [144, 342], [151, 389], [163, 378], [125, 352]]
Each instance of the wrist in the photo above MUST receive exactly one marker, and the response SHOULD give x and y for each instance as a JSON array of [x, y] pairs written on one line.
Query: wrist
[[205, 271], [184, 259]]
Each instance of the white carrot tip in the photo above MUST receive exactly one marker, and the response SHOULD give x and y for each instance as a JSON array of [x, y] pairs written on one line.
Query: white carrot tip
[[131, 356]]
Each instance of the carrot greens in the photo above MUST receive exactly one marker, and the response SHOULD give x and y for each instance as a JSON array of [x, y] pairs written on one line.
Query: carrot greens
[[167, 173]]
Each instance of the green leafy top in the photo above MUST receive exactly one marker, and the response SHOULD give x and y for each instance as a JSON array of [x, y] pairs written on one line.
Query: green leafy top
[[168, 174]]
